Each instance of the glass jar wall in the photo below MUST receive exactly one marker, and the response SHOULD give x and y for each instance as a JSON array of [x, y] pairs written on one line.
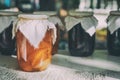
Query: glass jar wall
[[7, 43], [35, 38], [81, 33], [113, 33]]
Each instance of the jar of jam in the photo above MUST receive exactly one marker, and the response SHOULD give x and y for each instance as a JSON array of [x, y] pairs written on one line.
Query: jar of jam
[[7, 43], [53, 17], [81, 33], [35, 37], [113, 33]]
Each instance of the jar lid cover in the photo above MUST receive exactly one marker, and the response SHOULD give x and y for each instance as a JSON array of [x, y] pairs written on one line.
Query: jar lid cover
[[8, 13], [115, 13], [48, 13], [81, 14], [32, 16]]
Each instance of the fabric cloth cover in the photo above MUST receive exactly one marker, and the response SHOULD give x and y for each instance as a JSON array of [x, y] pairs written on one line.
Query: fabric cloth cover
[[35, 38], [7, 43], [87, 20], [34, 28], [113, 21], [53, 18], [6, 18]]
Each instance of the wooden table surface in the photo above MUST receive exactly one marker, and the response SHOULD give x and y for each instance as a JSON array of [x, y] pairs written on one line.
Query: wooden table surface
[[99, 66]]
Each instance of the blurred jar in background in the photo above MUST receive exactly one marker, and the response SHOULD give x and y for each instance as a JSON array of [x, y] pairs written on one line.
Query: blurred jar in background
[[113, 33], [81, 27], [58, 5], [101, 38], [35, 39], [5, 4], [47, 5], [70, 4], [26, 6], [7, 43], [36, 4]]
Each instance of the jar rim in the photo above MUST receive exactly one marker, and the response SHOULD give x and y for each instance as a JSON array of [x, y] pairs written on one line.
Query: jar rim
[[32, 16], [115, 13], [48, 13], [81, 13], [8, 13]]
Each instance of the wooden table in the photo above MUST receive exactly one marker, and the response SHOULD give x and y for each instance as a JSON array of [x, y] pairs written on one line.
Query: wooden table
[[99, 66]]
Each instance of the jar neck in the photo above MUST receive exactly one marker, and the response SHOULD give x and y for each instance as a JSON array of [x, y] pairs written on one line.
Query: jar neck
[[115, 13], [81, 14], [32, 17], [8, 13]]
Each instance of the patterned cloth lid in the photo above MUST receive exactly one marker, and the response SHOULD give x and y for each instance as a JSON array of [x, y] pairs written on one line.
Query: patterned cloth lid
[[52, 17], [87, 20], [34, 27], [6, 17], [113, 21]]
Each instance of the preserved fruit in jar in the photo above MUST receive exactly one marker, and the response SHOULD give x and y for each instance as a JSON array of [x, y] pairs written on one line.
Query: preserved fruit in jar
[[80, 42], [7, 43], [81, 33], [113, 33], [113, 42], [35, 37]]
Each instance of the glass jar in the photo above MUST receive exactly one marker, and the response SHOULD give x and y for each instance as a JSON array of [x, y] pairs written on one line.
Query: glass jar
[[35, 37], [53, 17], [113, 33], [81, 33], [7, 43]]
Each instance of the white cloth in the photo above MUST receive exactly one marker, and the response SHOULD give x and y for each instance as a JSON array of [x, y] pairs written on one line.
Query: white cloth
[[55, 20], [5, 21], [34, 28], [88, 23], [51, 17], [113, 23]]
